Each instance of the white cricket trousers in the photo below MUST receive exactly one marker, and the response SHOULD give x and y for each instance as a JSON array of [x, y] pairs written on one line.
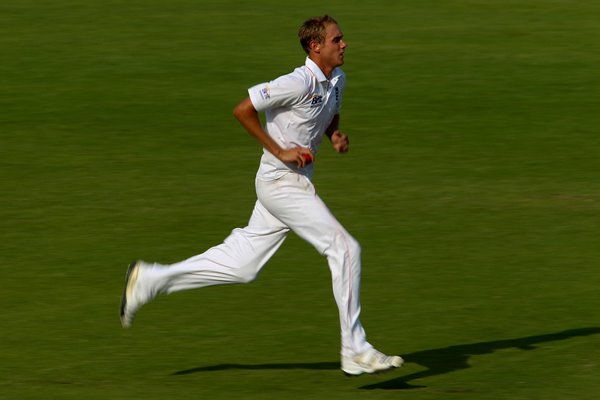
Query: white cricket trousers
[[288, 203]]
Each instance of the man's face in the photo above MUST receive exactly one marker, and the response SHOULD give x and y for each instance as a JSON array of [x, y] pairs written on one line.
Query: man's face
[[332, 49]]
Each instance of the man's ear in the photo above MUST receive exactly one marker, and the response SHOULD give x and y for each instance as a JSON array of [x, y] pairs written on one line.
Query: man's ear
[[315, 46]]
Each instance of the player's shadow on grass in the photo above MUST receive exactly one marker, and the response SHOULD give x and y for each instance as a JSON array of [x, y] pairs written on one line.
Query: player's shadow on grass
[[453, 358], [437, 361], [276, 366]]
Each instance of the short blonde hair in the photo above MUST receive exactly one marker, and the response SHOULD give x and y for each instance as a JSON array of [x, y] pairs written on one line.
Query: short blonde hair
[[313, 30]]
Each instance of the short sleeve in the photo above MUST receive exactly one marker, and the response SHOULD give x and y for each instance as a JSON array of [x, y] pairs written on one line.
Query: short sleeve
[[283, 91]]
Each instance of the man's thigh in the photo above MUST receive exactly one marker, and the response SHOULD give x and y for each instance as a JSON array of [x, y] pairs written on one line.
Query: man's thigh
[[293, 200]]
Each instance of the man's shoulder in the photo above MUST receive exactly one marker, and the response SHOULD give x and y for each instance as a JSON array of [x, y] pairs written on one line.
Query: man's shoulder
[[300, 74], [297, 80]]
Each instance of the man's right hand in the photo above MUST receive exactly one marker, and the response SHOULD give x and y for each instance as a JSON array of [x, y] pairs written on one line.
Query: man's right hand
[[299, 155]]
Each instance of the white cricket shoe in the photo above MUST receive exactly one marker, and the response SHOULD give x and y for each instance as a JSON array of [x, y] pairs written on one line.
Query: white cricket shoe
[[134, 294], [369, 362]]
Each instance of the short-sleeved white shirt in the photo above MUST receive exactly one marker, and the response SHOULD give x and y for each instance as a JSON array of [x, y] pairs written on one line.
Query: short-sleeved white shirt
[[298, 109]]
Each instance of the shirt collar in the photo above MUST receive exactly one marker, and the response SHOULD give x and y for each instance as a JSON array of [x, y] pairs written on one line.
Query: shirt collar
[[314, 68]]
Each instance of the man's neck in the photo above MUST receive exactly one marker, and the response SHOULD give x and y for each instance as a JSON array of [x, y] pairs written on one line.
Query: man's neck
[[327, 71]]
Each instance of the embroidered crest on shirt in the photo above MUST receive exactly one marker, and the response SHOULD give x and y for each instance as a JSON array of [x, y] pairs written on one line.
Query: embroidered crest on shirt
[[316, 101]]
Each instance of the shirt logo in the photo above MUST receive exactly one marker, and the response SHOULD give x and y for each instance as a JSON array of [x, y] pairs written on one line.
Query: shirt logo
[[264, 92], [316, 101]]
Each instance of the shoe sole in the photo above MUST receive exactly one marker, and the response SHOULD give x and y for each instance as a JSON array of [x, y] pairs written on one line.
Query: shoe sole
[[375, 372], [130, 278]]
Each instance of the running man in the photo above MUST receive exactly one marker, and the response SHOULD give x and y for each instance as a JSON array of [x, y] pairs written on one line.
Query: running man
[[300, 109]]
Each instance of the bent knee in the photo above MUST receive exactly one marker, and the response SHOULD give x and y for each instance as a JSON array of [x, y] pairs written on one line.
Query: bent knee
[[247, 275], [354, 247], [349, 244]]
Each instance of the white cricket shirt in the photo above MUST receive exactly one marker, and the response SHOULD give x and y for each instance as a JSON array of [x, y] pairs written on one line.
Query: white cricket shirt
[[298, 108]]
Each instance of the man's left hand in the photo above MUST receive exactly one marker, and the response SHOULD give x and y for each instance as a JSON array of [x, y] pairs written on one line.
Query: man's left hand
[[340, 142]]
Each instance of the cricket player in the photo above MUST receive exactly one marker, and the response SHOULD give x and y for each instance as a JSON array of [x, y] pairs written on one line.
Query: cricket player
[[300, 109]]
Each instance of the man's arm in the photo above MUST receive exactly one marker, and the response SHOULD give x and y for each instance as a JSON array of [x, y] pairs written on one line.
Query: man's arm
[[248, 117], [340, 141]]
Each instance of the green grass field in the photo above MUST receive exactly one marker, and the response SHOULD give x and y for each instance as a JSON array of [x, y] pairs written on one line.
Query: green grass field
[[472, 184]]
